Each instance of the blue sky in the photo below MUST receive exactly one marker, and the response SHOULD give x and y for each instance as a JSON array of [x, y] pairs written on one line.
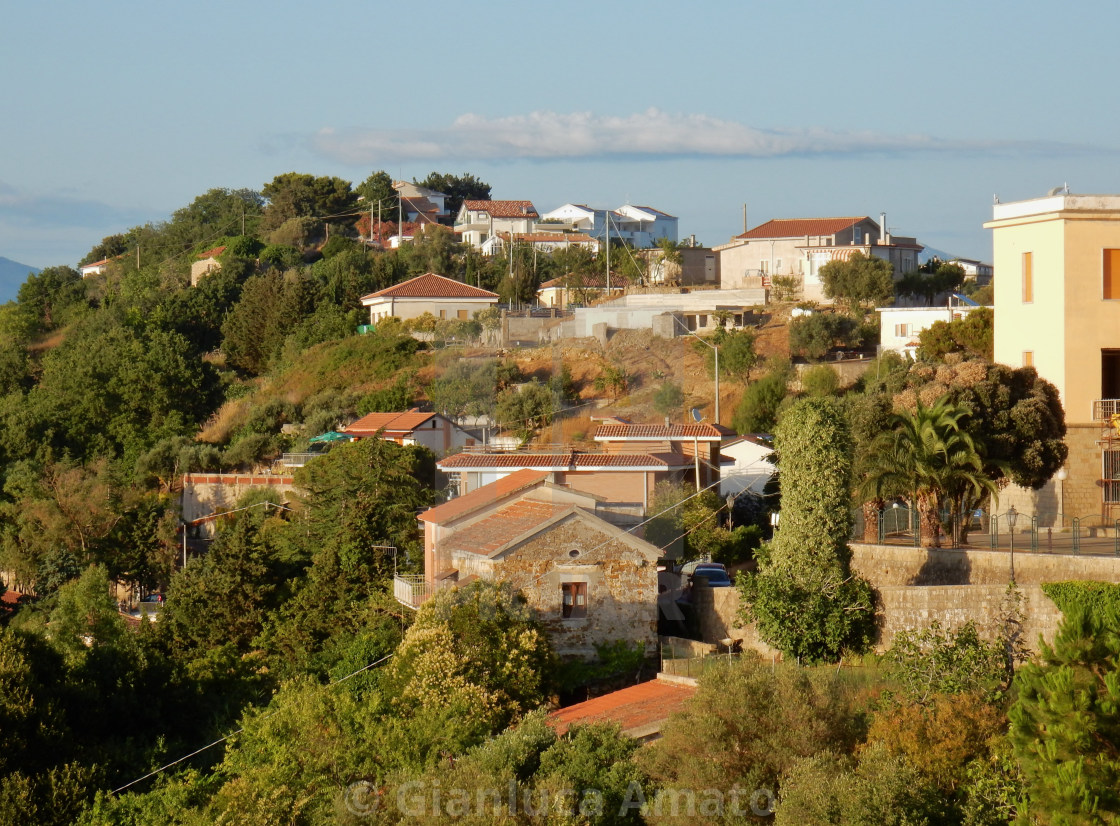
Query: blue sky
[[116, 114]]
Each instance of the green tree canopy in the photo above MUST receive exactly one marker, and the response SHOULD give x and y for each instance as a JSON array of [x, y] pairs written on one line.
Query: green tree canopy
[[804, 597], [457, 188], [860, 281], [295, 195]]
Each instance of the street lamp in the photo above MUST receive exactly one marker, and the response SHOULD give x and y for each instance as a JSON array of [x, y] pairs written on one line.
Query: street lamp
[[714, 349], [775, 518], [1012, 518]]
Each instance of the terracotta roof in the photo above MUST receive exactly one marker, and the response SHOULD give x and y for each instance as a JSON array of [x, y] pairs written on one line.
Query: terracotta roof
[[796, 227], [100, 263], [565, 461], [490, 534], [637, 708], [503, 209], [430, 285], [214, 253], [645, 432], [371, 423], [483, 496]]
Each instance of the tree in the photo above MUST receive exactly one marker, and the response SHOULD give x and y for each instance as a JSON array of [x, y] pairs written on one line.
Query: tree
[[758, 409], [380, 196], [973, 335], [929, 456], [85, 616], [820, 380], [1065, 729], [668, 398], [457, 188], [745, 728], [294, 195], [932, 278], [475, 649], [526, 408], [814, 335], [860, 280], [737, 356], [805, 599], [937, 660]]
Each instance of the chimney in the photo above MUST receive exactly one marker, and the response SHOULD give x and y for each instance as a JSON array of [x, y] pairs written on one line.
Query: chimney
[[885, 236]]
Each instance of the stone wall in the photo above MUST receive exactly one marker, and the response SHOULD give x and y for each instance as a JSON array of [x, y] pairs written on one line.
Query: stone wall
[[621, 577], [205, 493], [887, 565], [919, 585]]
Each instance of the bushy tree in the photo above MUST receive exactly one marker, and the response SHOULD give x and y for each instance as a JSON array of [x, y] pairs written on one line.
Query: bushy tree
[[1065, 729], [804, 597], [860, 281], [668, 398], [812, 336], [295, 195], [973, 335], [757, 411], [457, 188]]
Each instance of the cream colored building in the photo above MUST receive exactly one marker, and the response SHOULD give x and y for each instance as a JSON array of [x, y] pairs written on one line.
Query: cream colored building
[[1057, 302], [799, 247]]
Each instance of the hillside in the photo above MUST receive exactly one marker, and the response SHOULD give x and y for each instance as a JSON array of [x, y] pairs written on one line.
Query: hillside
[[12, 276]]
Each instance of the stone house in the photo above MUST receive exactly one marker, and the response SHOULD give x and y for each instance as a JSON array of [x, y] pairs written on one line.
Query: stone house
[[588, 581], [207, 263]]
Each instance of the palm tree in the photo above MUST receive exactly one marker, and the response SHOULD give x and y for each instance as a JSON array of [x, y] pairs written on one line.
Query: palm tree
[[929, 457]]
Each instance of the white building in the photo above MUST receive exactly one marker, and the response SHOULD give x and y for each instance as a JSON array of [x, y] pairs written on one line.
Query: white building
[[640, 226], [750, 468], [478, 220], [899, 327]]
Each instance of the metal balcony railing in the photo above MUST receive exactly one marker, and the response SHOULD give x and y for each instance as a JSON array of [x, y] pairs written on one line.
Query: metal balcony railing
[[1105, 409], [297, 459], [413, 590]]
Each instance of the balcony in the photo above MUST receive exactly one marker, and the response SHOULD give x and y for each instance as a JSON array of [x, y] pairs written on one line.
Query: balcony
[[413, 590], [1105, 409]]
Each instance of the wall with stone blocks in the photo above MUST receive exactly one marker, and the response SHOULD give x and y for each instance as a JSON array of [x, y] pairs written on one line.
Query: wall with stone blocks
[[918, 585]]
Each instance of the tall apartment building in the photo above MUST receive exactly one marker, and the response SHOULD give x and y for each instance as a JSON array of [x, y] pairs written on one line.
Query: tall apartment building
[[1057, 300]]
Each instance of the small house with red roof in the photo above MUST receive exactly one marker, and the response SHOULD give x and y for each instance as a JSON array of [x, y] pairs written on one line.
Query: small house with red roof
[[478, 220], [799, 247], [206, 263], [435, 432], [588, 581], [428, 293]]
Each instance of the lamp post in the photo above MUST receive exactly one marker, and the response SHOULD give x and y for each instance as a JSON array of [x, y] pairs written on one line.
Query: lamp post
[[1061, 476], [714, 350], [1012, 518]]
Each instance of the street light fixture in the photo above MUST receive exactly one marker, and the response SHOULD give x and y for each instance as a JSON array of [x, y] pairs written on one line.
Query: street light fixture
[[714, 349], [775, 518], [1012, 518]]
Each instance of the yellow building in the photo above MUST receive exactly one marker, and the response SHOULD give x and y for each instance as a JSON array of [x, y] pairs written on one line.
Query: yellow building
[[1057, 300]]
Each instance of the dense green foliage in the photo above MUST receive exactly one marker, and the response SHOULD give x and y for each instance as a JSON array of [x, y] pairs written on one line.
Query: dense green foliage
[[860, 281], [812, 336], [804, 598]]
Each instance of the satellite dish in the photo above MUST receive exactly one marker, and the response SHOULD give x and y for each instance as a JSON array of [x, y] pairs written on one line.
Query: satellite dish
[[695, 415]]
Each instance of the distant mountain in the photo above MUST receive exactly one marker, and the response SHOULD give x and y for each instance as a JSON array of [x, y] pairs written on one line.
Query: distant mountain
[[12, 276]]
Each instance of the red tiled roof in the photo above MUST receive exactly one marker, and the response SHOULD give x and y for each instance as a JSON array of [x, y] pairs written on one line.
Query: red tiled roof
[[645, 432], [214, 253], [565, 461], [485, 495], [503, 209], [371, 423], [430, 285], [639, 706], [490, 534], [796, 227]]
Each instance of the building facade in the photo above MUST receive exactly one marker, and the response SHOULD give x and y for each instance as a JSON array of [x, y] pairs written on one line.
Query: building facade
[[1057, 306]]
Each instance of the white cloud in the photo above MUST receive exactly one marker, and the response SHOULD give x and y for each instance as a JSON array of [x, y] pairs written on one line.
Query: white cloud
[[554, 135]]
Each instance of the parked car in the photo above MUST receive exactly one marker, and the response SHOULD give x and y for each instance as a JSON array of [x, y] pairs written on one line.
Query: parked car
[[715, 573]]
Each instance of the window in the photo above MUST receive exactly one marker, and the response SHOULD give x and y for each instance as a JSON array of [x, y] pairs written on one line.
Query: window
[[857, 235], [1028, 277], [1028, 358], [765, 267], [461, 315], [1110, 475], [703, 321], [573, 600], [1112, 274], [443, 313], [778, 265], [901, 330]]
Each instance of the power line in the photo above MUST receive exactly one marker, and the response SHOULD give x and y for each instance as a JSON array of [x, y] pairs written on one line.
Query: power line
[[220, 740]]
